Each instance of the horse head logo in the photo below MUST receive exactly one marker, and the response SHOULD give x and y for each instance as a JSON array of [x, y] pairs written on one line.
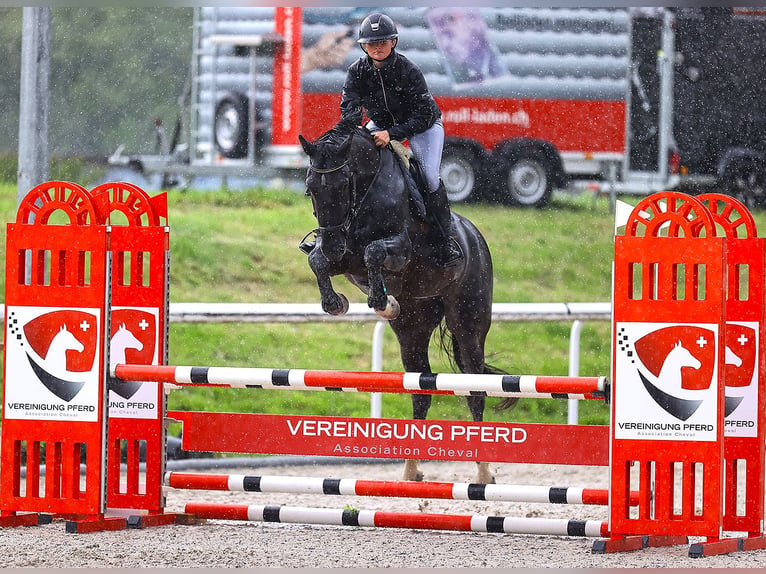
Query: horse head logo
[[678, 358], [133, 341], [64, 341], [60, 348], [122, 340], [680, 362], [740, 364]]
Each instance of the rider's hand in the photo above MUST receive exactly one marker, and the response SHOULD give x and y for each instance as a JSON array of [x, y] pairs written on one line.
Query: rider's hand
[[381, 138]]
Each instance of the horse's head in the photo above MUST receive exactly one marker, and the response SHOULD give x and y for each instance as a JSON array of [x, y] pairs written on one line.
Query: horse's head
[[732, 358], [125, 339], [68, 341], [682, 357], [329, 184]]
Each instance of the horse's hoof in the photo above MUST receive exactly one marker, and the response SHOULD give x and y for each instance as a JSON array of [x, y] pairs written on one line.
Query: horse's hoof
[[341, 309], [484, 479], [411, 471], [391, 311], [484, 474], [417, 477]]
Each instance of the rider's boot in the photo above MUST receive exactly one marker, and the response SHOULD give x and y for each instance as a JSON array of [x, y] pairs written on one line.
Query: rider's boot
[[307, 244], [437, 206]]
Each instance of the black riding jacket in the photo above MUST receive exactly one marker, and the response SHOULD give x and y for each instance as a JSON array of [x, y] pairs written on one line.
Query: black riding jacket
[[395, 96]]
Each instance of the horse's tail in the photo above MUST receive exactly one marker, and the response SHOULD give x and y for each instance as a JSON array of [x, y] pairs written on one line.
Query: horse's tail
[[447, 343]]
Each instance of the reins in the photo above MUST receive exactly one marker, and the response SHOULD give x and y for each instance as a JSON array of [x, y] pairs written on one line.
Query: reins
[[328, 170]]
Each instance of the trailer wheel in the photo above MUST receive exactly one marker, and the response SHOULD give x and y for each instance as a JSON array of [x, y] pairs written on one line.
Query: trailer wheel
[[230, 125], [460, 172], [745, 180], [526, 179]]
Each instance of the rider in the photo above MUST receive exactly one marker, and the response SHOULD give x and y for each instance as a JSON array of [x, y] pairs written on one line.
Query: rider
[[392, 92]]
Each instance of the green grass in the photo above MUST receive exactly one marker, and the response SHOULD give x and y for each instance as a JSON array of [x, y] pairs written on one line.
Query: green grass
[[242, 247]]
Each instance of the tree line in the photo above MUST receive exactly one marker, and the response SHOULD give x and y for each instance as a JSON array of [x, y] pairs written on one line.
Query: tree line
[[113, 71]]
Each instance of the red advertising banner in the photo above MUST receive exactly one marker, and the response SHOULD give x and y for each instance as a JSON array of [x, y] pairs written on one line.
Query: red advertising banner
[[394, 438], [591, 127]]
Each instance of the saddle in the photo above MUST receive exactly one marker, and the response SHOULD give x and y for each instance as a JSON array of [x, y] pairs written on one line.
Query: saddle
[[413, 176]]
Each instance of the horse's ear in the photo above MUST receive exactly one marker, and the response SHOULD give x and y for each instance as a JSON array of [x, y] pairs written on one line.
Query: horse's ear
[[308, 147]]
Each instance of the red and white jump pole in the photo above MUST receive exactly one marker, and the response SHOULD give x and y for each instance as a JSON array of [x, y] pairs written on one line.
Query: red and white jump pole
[[414, 520], [522, 386], [354, 487]]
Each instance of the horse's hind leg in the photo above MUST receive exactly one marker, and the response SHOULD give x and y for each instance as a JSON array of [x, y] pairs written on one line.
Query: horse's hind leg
[[393, 254], [413, 330], [483, 473], [469, 328]]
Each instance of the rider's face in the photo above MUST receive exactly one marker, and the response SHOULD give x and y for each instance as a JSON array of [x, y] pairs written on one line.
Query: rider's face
[[379, 50]]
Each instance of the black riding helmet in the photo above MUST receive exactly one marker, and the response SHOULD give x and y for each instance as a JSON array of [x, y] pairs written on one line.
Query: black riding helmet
[[377, 27]]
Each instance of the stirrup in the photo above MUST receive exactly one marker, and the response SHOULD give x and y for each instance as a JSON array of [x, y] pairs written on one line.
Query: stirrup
[[307, 245]]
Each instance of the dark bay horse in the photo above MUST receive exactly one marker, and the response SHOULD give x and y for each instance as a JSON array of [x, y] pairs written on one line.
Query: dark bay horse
[[370, 231]]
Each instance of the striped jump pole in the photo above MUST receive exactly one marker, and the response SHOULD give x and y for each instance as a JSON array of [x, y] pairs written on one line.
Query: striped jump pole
[[522, 386], [354, 487], [414, 520]]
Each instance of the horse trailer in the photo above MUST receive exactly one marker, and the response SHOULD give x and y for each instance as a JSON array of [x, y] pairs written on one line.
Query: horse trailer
[[615, 100]]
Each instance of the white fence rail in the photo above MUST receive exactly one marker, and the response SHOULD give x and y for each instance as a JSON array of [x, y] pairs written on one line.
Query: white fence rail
[[312, 312]]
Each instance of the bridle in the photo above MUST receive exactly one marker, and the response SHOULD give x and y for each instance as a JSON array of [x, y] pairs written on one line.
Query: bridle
[[351, 212], [355, 202]]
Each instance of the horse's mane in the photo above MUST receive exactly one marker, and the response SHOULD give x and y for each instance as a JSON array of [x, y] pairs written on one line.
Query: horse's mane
[[337, 134]]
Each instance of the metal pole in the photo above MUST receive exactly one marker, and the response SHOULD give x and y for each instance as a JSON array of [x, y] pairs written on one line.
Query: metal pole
[[574, 369], [376, 400], [34, 95]]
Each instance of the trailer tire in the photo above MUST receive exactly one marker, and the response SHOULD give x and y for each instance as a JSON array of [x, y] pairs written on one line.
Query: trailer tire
[[461, 173], [231, 124], [745, 180], [526, 179]]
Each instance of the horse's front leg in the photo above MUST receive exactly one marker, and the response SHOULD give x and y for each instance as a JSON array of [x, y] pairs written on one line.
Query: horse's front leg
[[391, 253], [332, 302]]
